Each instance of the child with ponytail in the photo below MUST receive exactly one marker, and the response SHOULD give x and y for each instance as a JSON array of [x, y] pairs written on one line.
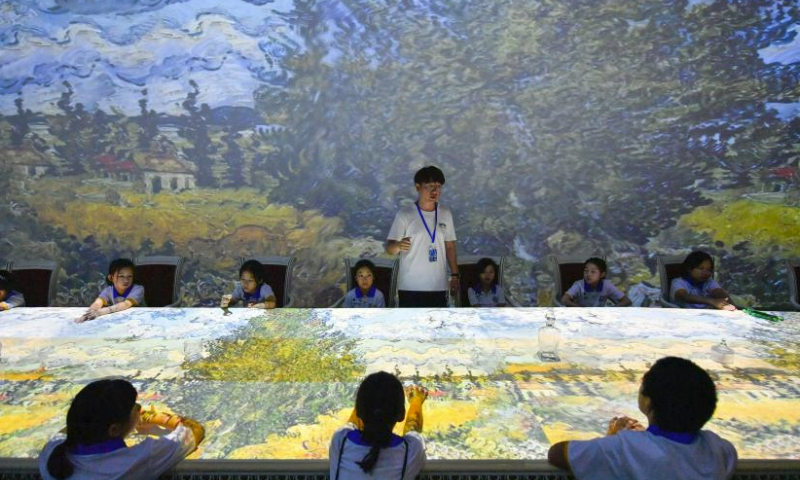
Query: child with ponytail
[[101, 415], [367, 448]]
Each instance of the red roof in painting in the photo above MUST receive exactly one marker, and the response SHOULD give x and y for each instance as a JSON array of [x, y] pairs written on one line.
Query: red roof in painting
[[111, 163], [784, 172]]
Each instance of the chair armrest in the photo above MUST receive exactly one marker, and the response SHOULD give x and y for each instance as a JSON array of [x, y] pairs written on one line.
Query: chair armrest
[[667, 304], [177, 303], [338, 303], [290, 303]]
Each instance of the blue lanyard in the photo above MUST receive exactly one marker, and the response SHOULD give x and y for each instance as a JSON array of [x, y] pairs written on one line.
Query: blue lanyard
[[435, 224], [115, 295], [681, 437]]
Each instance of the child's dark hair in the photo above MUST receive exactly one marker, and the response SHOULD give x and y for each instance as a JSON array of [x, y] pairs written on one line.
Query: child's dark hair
[[380, 403], [5, 283], [598, 262], [93, 410], [118, 264], [361, 264], [255, 268], [481, 266], [694, 259], [682, 395], [429, 174]]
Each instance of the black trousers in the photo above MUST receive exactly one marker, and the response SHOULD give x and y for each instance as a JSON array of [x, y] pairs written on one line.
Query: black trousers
[[415, 299]]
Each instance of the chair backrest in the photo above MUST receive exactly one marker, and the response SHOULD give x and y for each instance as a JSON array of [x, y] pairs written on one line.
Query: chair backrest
[[670, 267], [468, 268], [567, 270], [278, 275], [385, 276], [160, 276], [793, 268], [36, 280]]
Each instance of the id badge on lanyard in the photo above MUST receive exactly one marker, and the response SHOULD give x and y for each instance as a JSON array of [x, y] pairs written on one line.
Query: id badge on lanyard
[[433, 254]]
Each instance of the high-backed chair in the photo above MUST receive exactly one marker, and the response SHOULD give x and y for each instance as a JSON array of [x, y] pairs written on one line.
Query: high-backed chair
[[793, 267], [567, 270], [36, 280], [670, 267], [160, 276], [468, 268], [384, 277], [278, 275]]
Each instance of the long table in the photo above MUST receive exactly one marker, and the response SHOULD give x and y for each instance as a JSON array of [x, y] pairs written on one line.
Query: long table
[[274, 386]]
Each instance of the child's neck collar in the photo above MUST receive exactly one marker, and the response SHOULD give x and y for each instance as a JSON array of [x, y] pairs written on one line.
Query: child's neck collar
[[370, 293], [105, 446], [681, 437]]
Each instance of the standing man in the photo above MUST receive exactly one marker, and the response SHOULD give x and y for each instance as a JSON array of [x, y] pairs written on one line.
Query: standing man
[[425, 237]]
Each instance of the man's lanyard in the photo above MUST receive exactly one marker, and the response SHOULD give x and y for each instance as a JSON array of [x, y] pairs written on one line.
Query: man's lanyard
[[115, 295], [435, 224]]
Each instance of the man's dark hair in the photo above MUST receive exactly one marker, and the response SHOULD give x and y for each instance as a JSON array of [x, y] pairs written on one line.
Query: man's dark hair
[[429, 174], [694, 259], [118, 264], [598, 262], [682, 395]]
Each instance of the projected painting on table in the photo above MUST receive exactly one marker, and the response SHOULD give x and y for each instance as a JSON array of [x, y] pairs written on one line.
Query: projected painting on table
[[276, 385]]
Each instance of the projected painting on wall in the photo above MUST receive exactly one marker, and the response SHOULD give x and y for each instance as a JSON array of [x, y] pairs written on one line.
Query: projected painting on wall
[[277, 385], [219, 129]]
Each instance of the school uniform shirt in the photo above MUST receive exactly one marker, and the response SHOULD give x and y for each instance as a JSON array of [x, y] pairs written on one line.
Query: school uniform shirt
[[701, 290], [135, 294], [390, 459], [146, 460], [14, 299], [356, 299], [586, 296], [259, 296], [492, 298], [416, 271], [631, 455]]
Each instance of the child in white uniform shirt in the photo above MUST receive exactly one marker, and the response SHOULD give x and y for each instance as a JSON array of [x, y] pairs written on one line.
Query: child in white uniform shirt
[[486, 292], [120, 294], [367, 449], [365, 294], [251, 290], [99, 418], [594, 289], [697, 287], [678, 398]]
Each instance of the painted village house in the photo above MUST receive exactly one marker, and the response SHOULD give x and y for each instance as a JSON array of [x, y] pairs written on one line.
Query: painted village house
[[777, 185], [24, 163], [165, 172]]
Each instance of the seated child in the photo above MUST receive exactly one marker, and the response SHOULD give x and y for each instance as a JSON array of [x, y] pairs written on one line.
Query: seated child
[[251, 289], [367, 448], [594, 289], [365, 295], [485, 292], [120, 294], [101, 415], [9, 298], [678, 398], [696, 288]]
